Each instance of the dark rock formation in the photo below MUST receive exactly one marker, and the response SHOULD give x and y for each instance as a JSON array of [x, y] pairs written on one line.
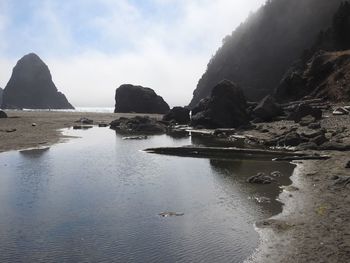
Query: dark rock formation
[[1, 91], [261, 178], [31, 87], [323, 70], [347, 166], [137, 99], [326, 75], [3, 114], [138, 125], [267, 109], [178, 115], [303, 110], [258, 53], [292, 139], [226, 108]]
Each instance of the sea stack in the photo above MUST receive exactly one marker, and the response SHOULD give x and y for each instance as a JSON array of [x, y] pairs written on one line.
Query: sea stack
[[31, 87], [138, 99]]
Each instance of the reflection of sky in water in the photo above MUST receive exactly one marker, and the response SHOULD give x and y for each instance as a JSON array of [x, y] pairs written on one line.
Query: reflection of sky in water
[[98, 197]]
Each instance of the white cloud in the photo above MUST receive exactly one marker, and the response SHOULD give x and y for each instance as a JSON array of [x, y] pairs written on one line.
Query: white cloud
[[166, 54]]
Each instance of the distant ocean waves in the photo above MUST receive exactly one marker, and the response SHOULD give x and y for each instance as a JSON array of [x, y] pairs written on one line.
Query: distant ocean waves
[[80, 109]]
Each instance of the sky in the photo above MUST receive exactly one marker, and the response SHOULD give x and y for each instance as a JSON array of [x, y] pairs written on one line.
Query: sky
[[94, 46]]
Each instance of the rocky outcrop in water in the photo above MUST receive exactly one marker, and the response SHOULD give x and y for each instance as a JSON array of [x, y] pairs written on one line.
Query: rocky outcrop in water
[[138, 125], [178, 115], [226, 108], [138, 99], [31, 87]]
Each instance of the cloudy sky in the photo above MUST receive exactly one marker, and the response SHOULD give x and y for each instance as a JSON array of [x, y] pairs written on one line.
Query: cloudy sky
[[93, 46]]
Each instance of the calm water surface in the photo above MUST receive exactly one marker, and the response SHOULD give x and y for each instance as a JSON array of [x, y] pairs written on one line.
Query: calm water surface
[[98, 198]]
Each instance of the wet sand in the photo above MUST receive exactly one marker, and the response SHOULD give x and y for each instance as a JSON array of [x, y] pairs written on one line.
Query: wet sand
[[314, 225], [47, 129]]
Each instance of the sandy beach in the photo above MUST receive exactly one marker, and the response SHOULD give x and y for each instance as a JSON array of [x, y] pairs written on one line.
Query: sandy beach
[[314, 225], [47, 127]]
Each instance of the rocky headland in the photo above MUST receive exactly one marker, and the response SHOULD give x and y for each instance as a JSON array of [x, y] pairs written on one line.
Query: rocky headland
[[31, 87]]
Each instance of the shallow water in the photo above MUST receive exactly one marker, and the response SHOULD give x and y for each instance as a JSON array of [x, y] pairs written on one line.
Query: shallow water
[[98, 198]]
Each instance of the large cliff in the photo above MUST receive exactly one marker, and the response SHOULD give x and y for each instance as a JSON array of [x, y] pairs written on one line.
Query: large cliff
[[323, 71], [258, 53], [31, 87]]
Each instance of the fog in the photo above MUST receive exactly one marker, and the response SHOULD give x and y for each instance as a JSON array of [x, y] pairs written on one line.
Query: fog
[[92, 47]]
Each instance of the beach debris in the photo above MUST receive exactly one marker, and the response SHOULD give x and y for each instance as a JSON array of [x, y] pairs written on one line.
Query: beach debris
[[341, 111], [144, 137], [85, 121], [169, 214], [302, 158], [102, 125], [34, 124], [3, 114], [289, 188], [262, 199], [260, 178], [10, 130]]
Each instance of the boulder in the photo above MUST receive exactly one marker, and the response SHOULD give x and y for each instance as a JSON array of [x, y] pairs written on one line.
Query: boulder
[[84, 120], [291, 139], [31, 87], [3, 114], [138, 99], [138, 125], [303, 110], [267, 109], [314, 125], [307, 146], [347, 166], [178, 115], [319, 140], [226, 108], [261, 178]]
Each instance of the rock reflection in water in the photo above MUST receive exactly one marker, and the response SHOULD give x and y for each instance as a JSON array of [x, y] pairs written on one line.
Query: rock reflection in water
[[97, 198]]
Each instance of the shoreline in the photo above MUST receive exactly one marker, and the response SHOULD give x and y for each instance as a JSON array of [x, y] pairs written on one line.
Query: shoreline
[[47, 129], [313, 226], [314, 223]]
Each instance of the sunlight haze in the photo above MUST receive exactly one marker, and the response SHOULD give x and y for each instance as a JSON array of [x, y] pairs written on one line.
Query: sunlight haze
[[94, 46]]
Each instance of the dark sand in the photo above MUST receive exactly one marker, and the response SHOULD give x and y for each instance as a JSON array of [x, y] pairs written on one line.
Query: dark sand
[[315, 223]]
